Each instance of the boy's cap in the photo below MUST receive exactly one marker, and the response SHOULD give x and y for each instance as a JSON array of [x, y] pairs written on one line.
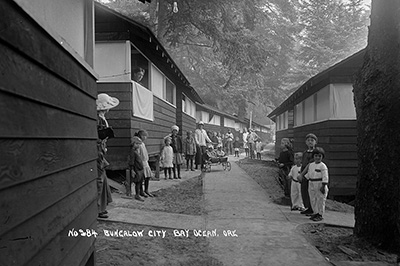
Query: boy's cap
[[311, 135]]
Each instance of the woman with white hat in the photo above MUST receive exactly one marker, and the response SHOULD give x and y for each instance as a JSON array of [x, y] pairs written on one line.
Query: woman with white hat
[[104, 103]]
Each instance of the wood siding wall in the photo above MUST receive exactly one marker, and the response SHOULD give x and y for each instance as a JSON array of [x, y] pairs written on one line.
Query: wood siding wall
[[338, 139], [48, 145], [125, 124], [184, 121], [188, 123]]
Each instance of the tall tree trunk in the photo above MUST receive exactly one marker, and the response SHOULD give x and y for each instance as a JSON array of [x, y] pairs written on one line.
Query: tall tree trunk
[[377, 100]]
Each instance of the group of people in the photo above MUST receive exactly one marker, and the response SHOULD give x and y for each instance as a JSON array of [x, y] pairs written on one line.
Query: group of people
[[252, 144], [307, 177], [195, 148]]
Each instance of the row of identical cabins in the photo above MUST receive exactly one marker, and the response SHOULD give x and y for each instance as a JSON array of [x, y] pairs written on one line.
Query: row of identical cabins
[[56, 56]]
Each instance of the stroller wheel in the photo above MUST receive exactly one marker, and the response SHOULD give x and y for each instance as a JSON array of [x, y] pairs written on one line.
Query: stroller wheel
[[228, 166], [224, 166]]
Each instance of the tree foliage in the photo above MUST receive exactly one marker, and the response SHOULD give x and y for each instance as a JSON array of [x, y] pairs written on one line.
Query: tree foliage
[[243, 55]]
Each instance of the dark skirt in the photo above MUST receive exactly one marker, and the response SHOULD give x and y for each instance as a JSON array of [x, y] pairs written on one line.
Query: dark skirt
[[137, 177]]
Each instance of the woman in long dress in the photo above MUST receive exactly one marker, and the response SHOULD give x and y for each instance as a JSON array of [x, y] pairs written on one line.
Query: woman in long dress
[[104, 103]]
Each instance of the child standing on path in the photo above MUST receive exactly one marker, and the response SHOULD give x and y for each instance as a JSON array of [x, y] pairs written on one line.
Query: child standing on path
[[236, 146], [176, 144], [167, 156], [295, 189], [285, 161], [189, 149], [136, 166], [318, 186], [258, 149], [142, 151], [311, 142]]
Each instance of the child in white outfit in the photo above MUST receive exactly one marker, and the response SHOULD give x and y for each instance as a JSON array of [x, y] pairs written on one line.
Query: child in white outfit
[[318, 184], [167, 156], [295, 188]]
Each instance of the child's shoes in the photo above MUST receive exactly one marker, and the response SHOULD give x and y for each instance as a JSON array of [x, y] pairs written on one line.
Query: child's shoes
[[137, 197], [318, 217]]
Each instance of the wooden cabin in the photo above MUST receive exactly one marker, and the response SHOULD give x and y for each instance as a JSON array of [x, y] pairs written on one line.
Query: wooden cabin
[[48, 132], [161, 99], [324, 106]]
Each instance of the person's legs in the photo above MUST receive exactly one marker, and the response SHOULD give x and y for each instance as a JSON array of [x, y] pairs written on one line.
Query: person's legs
[[141, 190], [191, 164], [173, 170], [203, 152], [146, 187], [165, 172], [170, 172], [137, 191], [305, 196], [178, 169]]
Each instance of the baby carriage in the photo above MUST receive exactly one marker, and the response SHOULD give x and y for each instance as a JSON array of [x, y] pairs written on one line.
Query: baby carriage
[[213, 158]]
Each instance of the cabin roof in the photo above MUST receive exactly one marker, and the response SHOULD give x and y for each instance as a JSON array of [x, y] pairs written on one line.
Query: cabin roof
[[111, 25], [341, 72]]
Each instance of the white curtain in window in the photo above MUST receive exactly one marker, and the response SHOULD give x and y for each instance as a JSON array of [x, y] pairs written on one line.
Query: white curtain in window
[[278, 120], [204, 117], [299, 114], [142, 102], [157, 82], [286, 123], [193, 109], [309, 110], [215, 120], [229, 123], [322, 104], [342, 101]]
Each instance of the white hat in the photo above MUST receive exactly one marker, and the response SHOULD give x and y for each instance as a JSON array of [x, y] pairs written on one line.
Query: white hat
[[104, 102], [175, 127], [201, 123]]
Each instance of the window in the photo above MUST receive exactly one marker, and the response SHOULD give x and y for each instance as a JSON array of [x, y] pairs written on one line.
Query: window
[[169, 92], [139, 61], [322, 104], [309, 110], [157, 82], [342, 101], [162, 87], [229, 123], [298, 119], [282, 121], [188, 107], [215, 120]]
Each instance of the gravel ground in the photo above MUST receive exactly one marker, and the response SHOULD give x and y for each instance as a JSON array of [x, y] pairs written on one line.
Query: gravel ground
[[146, 250], [339, 244], [184, 198]]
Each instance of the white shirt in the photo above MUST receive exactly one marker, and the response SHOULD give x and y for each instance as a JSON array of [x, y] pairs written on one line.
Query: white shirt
[[317, 171], [295, 172], [201, 137]]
